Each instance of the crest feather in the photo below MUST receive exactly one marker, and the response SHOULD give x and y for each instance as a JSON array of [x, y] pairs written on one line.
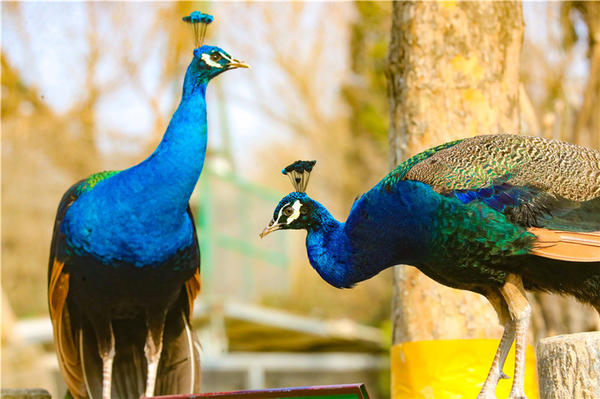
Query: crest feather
[[199, 22], [299, 174]]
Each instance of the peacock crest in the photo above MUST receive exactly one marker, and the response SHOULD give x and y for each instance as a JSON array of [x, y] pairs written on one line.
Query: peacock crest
[[199, 22], [299, 174]]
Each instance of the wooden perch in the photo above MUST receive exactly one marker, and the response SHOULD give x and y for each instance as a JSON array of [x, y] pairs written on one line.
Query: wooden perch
[[569, 366], [35, 393]]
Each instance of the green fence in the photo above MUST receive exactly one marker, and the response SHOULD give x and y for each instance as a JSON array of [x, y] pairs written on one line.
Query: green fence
[[231, 212]]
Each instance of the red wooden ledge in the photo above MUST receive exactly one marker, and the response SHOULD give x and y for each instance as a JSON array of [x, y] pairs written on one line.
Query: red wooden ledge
[[349, 391]]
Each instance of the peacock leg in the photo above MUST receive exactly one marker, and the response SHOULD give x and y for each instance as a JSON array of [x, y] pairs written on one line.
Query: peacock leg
[[520, 312], [106, 350], [155, 322], [488, 390]]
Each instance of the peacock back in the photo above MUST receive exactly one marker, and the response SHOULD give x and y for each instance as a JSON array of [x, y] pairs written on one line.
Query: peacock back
[[560, 169]]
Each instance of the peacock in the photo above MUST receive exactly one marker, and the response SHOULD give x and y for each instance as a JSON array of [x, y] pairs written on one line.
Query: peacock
[[124, 263], [495, 214]]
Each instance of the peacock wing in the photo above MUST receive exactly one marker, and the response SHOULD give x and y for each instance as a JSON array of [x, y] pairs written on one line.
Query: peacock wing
[[550, 187], [557, 168], [567, 245], [66, 332], [565, 229]]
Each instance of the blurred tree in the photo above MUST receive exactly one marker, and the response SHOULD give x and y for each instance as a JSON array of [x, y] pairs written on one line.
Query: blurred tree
[[365, 90], [453, 73], [586, 129]]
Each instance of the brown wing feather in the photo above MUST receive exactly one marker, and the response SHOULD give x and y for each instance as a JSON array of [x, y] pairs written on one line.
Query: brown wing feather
[[567, 245], [192, 288], [64, 340], [193, 285]]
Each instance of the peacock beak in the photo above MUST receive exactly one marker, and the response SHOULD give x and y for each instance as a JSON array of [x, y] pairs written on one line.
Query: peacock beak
[[270, 228], [237, 64]]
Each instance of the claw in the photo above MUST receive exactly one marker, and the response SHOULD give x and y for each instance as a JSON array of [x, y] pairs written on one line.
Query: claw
[[504, 376]]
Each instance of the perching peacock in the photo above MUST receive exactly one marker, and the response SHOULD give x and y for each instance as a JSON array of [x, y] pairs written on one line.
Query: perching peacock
[[496, 215], [124, 260]]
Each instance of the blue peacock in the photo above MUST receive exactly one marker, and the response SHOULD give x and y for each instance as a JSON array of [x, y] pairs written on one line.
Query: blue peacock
[[496, 214], [124, 260]]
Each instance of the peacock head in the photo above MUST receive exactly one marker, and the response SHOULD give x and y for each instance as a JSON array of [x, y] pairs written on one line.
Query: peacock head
[[296, 210], [209, 61]]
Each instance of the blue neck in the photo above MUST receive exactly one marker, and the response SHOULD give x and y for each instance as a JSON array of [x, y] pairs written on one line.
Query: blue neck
[[331, 251], [167, 178], [140, 214], [328, 251], [384, 228]]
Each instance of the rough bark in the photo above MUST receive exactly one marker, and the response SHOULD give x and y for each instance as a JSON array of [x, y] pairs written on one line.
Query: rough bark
[[588, 117], [453, 73], [569, 366]]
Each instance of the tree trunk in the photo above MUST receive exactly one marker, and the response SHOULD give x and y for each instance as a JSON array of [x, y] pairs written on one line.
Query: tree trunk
[[569, 366], [453, 73], [588, 118]]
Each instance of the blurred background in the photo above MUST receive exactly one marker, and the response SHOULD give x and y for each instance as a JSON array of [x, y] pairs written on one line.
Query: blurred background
[[92, 86]]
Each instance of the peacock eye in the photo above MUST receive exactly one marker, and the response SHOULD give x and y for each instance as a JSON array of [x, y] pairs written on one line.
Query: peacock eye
[[215, 56], [288, 211]]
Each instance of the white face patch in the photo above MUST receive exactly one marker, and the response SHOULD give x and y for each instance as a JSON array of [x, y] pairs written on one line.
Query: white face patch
[[296, 214], [206, 58], [226, 57]]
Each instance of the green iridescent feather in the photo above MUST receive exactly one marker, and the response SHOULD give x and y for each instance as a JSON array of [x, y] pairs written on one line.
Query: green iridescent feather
[[401, 170], [94, 179], [472, 240]]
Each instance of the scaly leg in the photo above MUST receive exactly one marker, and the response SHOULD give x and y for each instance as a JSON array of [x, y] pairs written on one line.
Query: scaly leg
[[520, 312], [155, 324], [488, 390]]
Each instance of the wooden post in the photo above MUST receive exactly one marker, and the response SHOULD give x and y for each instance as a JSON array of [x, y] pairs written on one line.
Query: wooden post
[[569, 366]]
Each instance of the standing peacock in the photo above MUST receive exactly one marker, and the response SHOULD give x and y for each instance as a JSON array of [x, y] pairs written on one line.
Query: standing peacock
[[494, 214], [124, 260]]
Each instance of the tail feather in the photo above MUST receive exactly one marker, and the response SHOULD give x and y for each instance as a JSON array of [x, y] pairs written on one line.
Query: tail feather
[[91, 364], [566, 245], [129, 368], [178, 370]]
